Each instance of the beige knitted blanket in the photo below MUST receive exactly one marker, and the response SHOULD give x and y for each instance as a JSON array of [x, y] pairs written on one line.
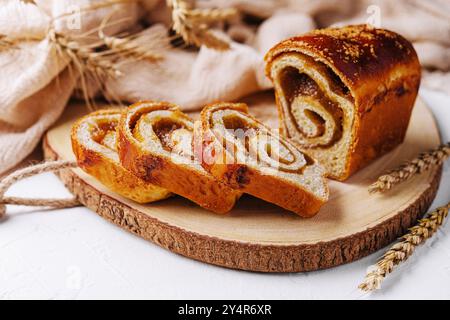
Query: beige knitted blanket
[[37, 81]]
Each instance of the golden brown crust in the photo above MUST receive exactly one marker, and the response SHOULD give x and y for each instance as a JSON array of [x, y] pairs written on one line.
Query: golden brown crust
[[363, 57], [381, 73], [100, 159], [155, 159], [282, 184]]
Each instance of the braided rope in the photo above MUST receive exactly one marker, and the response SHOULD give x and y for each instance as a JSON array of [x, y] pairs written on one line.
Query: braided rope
[[27, 172]]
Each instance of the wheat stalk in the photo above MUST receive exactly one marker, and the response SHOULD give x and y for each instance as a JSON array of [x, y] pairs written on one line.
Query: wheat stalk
[[87, 61], [97, 63], [105, 4], [84, 56], [193, 25], [401, 251], [95, 6], [131, 46], [98, 60], [5, 42], [422, 163]]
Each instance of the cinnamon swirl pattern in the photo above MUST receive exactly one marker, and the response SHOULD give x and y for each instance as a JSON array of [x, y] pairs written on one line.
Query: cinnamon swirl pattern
[[345, 95], [156, 144], [246, 155], [94, 142]]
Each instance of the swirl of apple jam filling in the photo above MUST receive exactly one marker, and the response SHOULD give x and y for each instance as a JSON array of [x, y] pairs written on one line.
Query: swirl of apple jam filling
[[315, 102], [313, 114], [316, 108], [248, 141], [94, 142], [248, 156], [98, 132], [167, 130], [156, 142]]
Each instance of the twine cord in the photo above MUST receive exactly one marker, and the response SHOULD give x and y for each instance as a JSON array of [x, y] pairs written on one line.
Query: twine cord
[[27, 172]]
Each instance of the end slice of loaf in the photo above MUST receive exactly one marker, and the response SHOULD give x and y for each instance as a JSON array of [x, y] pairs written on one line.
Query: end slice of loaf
[[94, 143]]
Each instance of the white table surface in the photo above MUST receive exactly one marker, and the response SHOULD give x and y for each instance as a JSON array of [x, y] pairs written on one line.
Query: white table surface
[[75, 254]]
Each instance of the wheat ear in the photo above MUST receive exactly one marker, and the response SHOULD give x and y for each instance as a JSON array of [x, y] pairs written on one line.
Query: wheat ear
[[193, 25], [131, 46], [84, 56], [402, 250], [86, 61], [422, 163], [5, 42]]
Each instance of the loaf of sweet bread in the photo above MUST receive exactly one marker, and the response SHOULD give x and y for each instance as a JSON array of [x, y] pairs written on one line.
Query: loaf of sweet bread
[[156, 144], [345, 95], [242, 152], [94, 142]]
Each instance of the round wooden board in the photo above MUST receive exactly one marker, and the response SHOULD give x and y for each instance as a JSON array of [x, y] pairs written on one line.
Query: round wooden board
[[258, 236]]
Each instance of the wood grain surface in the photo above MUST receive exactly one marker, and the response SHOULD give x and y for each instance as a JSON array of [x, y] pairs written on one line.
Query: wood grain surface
[[256, 235]]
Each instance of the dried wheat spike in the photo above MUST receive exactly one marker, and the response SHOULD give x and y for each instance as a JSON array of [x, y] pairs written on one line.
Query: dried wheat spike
[[422, 163], [86, 61], [193, 25], [5, 42], [105, 4], [128, 48], [132, 46], [402, 250], [84, 58]]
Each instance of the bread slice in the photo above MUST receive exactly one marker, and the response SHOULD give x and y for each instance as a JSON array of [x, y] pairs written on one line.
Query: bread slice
[[155, 143], [246, 155], [94, 143]]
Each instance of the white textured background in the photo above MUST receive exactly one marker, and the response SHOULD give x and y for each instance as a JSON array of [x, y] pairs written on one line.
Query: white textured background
[[75, 254]]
